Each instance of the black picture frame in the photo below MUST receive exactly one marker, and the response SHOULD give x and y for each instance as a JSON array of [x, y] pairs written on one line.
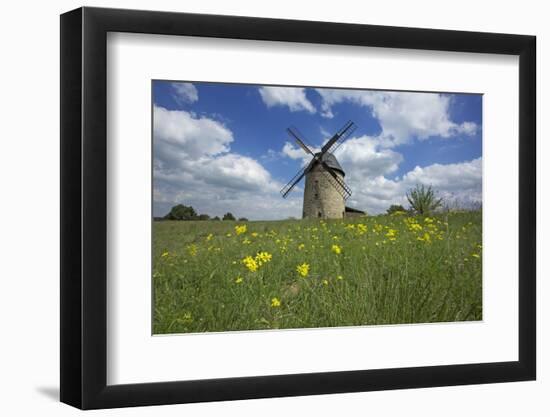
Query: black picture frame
[[84, 207]]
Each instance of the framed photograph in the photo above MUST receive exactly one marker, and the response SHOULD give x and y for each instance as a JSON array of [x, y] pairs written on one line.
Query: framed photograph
[[257, 207]]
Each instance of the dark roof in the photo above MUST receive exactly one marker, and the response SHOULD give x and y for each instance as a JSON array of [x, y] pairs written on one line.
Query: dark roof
[[330, 160], [352, 210]]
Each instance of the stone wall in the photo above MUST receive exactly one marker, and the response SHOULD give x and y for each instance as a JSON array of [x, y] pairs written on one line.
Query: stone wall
[[351, 214], [321, 198]]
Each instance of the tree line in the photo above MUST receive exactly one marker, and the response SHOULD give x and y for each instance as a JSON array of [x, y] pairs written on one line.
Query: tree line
[[183, 212]]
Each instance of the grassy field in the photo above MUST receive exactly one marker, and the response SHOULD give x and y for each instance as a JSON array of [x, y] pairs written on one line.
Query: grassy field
[[223, 275]]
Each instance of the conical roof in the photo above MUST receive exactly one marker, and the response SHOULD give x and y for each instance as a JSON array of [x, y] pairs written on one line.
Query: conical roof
[[329, 159]]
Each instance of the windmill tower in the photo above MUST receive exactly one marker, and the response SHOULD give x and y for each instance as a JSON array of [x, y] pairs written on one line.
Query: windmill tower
[[325, 191]]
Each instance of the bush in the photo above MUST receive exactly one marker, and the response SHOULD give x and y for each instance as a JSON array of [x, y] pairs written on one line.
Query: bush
[[423, 200], [181, 212], [243, 219], [228, 216], [396, 208]]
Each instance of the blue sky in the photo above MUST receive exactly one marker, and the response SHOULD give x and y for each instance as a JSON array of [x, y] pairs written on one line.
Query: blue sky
[[224, 147]]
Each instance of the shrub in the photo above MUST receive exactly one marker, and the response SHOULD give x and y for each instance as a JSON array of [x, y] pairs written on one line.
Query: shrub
[[423, 200], [181, 212], [228, 216], [396, 208]]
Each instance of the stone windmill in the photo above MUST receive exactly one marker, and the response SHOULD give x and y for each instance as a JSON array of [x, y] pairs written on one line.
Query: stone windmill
[[325, 192]]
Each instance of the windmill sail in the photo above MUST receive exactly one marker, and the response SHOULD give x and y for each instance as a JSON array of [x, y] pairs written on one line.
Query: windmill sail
[[336, 182], [339, 137], [295, 133], [295, 180]]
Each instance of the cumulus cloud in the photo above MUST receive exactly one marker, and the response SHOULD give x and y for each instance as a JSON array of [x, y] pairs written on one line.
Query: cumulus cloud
[[188, 136], [364, 157], [292, 97], [361, 156], [403, 116], [193, 164], [185, 93], [457, 183]]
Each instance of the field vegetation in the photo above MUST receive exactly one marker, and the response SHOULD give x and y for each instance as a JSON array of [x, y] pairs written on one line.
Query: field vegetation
[[211, 276]]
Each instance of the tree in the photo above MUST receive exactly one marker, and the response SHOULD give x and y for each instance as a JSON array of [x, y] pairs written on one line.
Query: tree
[[396, 208], [423, 200], [243, 219], [181, 212], [228, 216], [203, 217], [215, 218]]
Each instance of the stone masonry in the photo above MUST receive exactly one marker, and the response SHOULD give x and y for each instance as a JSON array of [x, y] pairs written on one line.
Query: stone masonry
[[321, 198]]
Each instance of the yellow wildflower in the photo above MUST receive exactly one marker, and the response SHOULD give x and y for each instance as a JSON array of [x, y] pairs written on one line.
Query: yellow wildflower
[[275, 302], [301, 246], [391, 234], [325, 282], [186, 318], [475, 255], [209, 237], [240, 229], [238, 280], [192, 248], [426, 238], [303, 269], [164, 254], [250, 263], [361, 228], [254, 234], [336, 249], [262, 257], [339, 277]]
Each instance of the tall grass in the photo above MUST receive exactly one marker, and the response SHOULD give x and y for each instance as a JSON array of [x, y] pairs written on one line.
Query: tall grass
[[366, 271]]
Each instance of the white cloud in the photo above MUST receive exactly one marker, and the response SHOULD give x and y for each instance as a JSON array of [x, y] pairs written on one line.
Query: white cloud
[[449, 178], [292, 97], [467, 128], [361, 156], [456, 183], [184, 135], [364, 157], [194, 165], [185, 93], [403, 116]]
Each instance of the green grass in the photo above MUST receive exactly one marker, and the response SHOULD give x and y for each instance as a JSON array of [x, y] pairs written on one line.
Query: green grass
[[400, 270]]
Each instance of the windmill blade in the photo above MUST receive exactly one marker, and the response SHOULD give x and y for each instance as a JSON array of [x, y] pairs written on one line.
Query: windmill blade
[[304, 146], [339, 137], [295, 180], [335, 181], [346, 135], [297, 136]]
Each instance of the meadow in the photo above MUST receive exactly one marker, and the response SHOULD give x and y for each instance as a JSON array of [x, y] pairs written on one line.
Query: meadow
[[212, 276]]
